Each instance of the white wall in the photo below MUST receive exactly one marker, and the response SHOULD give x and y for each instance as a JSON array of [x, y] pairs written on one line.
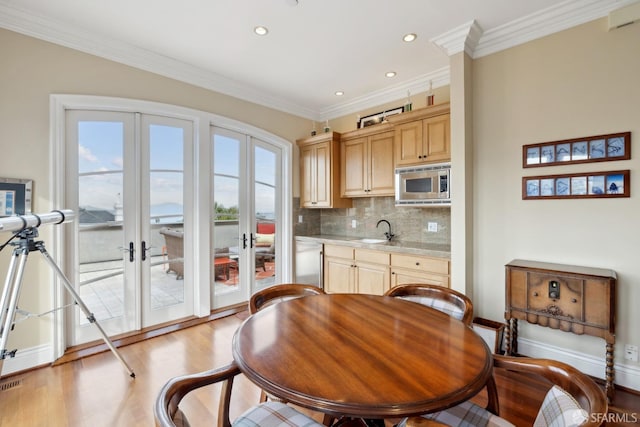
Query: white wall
[[580, 82]]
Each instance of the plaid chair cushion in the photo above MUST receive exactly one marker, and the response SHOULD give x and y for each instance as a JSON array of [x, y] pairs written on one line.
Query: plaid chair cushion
[[274, 414], [465, 414], [560, 409], [444, 306]]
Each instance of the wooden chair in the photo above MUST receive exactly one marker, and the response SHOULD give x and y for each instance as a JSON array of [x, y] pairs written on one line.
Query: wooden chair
[[282, 292], [447, 300], [572, 396], [167, 412]]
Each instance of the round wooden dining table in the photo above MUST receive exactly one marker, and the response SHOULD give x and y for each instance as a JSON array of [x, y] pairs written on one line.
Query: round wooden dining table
[[363, 356]]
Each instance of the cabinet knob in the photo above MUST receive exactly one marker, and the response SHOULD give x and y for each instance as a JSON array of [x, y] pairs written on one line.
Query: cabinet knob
[[417, 263], [535, 294], [574, 300]]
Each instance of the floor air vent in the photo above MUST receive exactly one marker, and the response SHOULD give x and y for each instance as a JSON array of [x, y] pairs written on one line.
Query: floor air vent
[[10, 384]]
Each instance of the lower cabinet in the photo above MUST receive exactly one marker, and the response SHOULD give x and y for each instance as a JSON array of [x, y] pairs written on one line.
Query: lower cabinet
[[407, 268], [367, 271], [354, 270]]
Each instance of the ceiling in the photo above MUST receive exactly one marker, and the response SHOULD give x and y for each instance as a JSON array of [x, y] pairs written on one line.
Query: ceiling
[[313, 49]]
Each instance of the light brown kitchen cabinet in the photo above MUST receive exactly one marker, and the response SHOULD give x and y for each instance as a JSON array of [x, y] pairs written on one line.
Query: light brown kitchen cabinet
[[320, 172], [423, 141], [355, 270], [408, 268], [367, 165]]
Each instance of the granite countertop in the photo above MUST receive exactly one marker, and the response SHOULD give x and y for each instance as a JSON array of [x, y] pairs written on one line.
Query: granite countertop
[[417, 248]]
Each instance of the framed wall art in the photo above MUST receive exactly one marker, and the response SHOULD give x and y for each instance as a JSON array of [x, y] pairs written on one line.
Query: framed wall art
[[577, 185], [376, 118], [15, 196], [599, 148]]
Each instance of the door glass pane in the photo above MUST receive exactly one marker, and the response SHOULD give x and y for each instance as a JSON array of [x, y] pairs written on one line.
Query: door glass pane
[[226, 196], [100, 239], [166, 207], [265, 209]]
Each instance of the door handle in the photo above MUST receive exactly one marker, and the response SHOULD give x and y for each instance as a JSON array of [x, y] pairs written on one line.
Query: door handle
[[252, 240], [144, 250], [244, 240], [130, 250]]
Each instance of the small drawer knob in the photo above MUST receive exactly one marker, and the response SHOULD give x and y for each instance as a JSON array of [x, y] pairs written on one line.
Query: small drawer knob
[[535, 294], [417, 263], [574, 300]]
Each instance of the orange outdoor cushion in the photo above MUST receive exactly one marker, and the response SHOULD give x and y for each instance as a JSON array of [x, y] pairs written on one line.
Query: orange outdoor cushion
[[266, 228]]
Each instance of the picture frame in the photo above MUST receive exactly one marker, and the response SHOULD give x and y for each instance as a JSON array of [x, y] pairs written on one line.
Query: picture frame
[[598, 148], [590, 185], [15, 196], [374, 119]]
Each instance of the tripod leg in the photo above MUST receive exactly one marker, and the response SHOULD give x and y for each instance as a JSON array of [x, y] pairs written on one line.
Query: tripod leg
[[9, 301], [83, 307]]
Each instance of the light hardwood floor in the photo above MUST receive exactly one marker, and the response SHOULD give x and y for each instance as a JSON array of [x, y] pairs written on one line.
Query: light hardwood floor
[[96, 391]]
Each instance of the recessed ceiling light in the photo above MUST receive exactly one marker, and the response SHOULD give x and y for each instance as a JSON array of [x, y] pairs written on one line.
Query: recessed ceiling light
[[390, 74], [339, 93], [409, 37], [260, 30]]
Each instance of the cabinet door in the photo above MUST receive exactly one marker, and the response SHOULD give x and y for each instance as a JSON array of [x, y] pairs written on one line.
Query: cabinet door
[[373, 279], [307, 176], [381, 165], [408, 143], [400, 276], [437, 139], [323, 175], [339, 275], [354, 167]]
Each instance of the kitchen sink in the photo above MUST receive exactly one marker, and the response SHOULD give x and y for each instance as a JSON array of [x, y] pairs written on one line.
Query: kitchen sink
[[372, 240]]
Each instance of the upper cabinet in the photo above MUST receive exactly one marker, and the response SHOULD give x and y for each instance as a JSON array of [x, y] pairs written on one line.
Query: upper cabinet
[[367, 165], [422, 136], [319, 172], [361, 163]]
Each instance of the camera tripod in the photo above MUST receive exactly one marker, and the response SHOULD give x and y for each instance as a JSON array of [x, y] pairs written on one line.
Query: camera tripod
[[11, 292]]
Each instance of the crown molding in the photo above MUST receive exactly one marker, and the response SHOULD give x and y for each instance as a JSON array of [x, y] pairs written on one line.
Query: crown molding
[[20, 21], [419, 84], [469, 38], [462, 38], [556, 18]]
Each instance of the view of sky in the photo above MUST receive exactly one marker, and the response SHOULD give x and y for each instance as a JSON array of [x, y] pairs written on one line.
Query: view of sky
[[101, 155]]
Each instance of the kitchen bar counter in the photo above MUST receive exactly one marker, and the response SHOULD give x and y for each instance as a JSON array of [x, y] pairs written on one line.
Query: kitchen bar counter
[[416, 248]]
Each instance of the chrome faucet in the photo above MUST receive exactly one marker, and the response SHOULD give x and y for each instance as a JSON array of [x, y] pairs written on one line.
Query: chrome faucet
[[388, 234]]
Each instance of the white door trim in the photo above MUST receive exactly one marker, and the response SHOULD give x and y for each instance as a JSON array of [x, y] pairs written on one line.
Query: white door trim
[[201, 176]]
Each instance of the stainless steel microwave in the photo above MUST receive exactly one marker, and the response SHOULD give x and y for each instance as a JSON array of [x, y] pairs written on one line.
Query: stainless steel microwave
[[424, 185]]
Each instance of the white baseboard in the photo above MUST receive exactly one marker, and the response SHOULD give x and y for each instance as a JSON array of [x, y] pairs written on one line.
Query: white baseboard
[[627, 376], [28, 359]]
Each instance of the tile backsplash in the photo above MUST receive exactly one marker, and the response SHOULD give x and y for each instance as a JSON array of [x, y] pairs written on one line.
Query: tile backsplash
[[407, 223]]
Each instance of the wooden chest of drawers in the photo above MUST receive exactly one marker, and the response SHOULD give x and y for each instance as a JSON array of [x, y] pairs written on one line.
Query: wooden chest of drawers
[[574, 299]]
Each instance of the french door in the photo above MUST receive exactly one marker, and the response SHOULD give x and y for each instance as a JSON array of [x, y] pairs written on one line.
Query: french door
[[125, 178], [247, 219]]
